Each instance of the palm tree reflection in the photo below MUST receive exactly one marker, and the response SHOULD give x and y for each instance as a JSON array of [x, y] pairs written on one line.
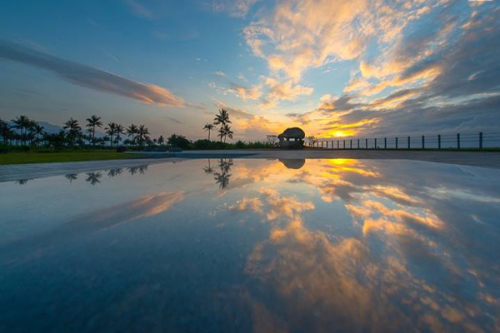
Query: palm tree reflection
[[208, 168], [93, 177], [71, 177], [115, 172], [141, 169], [222, 177]]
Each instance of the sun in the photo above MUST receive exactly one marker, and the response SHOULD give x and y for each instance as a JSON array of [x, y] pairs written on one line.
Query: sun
[[341, 134]]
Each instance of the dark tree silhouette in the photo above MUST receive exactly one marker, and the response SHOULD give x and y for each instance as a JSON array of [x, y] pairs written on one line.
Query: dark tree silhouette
[[71, 177], [93, 177], [93, 122]]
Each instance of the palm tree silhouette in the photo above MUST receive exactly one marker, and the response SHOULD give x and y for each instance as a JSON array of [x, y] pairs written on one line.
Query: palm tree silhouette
[[225, 165], [37, 131], [22, 123], [93, 122], [111, 130], [71, 177], [226, 129], [5, 131], [208, 169], [141, 169], [93, 177], [119, 130], [208, 127], [115, 172], [143, 134], [131, 133], [74, 130], [222, 117], [222, 179]]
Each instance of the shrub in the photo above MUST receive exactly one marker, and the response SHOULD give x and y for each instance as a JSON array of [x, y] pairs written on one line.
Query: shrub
[[179, 141]]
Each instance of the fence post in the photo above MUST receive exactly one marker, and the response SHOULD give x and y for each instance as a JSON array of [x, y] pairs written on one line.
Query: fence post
[[338, 144], [439, 141], [344, 144], [423, 142], [358, 143], [385, 143], [396, 143], [376, 143], [366, 146], [480, 140], [409, 146], [351, 143], [458, 140]]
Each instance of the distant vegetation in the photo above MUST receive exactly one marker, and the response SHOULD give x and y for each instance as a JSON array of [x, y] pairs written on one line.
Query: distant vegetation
[[26, 135]]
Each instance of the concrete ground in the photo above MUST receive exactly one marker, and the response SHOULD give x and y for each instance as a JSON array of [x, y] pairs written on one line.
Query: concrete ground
[[30, 171]]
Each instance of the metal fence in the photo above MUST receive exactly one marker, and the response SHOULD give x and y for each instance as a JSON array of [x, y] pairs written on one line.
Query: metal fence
[[436, 142]]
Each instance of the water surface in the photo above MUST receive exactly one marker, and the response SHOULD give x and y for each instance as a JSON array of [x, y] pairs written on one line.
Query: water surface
[[253, 246]]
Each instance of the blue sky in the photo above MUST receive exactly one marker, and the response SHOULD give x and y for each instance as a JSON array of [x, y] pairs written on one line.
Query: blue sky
[[335, 68]]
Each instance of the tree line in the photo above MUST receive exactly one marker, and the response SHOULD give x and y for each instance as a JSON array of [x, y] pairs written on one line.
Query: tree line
[[27, 132]]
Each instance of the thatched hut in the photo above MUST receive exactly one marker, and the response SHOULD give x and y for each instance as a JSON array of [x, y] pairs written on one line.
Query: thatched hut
[[292, 138]]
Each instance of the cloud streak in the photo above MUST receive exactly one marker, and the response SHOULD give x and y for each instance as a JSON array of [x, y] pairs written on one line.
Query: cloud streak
[[89, 77]]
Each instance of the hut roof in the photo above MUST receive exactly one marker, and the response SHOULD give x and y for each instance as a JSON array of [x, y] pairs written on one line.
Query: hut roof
[[293, 132]]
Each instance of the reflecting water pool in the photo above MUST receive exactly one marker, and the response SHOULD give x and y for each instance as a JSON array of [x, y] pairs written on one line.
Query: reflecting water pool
[[253, 246]]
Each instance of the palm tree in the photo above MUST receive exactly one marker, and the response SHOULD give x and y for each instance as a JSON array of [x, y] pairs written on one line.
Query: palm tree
[[131, 133], [208, 127], [143, 134], [93, 122], [74, 130], [222, 118], [221, 133], [30, 135], [5, 131], [37, 131], [119, 130], [111, 130], [227, 132], [22, 123]]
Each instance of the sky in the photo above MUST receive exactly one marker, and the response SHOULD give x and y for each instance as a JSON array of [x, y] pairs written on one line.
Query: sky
[[358, 68]]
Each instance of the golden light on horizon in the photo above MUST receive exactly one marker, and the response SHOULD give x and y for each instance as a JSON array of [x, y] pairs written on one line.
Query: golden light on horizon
[[341, 134]]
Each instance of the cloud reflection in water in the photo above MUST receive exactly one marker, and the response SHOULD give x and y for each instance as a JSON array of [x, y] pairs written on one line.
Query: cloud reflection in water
[[316, 245]]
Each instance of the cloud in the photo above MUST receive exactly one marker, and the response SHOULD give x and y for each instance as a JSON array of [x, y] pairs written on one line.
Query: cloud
[[342, 103], [175, 120], [247, 93], [283, 91], [237, 113], [89, 77], [139, 9], [325, 30], [235, 8], [436, 78], [219, 73]]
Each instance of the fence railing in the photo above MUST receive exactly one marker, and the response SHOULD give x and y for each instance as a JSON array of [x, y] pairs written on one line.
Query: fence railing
[[447, 141]]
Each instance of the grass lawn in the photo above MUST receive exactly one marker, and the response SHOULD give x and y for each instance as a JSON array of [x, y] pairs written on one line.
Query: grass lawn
[[68, 156]]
